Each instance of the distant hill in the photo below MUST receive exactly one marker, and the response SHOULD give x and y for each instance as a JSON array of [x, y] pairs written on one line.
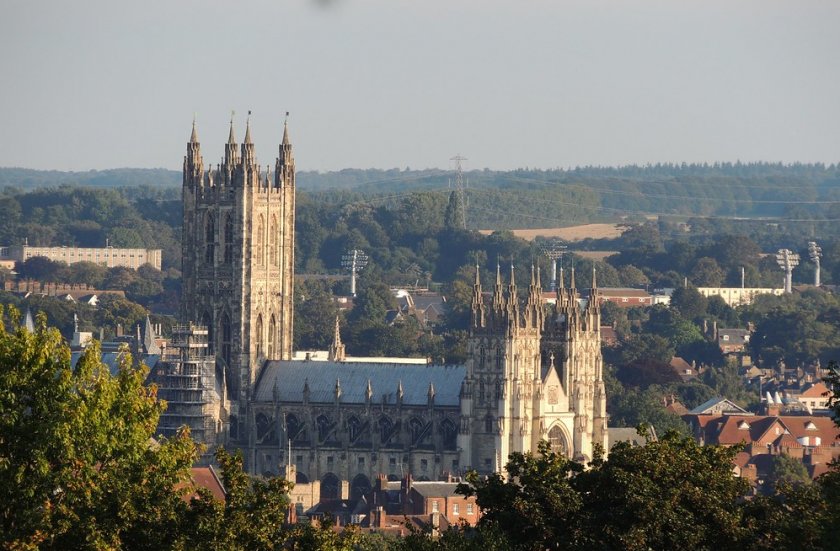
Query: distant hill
[[533, 198], [25, 178]]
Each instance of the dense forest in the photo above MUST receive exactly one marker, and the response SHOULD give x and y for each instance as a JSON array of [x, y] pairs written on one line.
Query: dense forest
[[533, 198]]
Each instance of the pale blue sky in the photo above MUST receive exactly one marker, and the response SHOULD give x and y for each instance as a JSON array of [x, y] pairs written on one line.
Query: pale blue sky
[[395, 83]]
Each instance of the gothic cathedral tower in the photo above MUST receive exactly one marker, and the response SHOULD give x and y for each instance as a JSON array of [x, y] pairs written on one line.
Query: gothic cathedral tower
[[533, 373], [238, 260]]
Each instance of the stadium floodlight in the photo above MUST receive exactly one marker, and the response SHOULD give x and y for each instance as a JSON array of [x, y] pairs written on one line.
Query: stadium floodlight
[[553, 249], [354, 261], [787, 261]]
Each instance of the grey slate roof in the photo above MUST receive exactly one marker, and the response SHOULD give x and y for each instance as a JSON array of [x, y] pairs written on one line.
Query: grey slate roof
[[717, 404], [290, 377], [435, 489]]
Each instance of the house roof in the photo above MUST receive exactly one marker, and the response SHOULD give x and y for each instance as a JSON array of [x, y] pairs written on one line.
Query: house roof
[[627, 434], [786, 431], [206, 477], [717, 405], [434, 489], [622, 292], [816, 390], [288, 378]]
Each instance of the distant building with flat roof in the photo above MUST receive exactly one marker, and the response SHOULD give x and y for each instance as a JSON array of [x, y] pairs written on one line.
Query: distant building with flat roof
[[109, 257]]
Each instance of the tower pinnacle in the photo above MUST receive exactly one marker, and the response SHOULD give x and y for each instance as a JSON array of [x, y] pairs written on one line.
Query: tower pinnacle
[[194, 135], [231, 136]]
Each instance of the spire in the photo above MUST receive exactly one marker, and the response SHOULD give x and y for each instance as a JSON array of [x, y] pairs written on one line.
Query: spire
[[533, 276], [286, 140], [561, 281], [477, 301], [512, 276], [337, 388], [498, 295], [337, 351], [594, 281], [539, 279], [248, 129], [231, 136], [149, 344], [572, 279], [194, 135]]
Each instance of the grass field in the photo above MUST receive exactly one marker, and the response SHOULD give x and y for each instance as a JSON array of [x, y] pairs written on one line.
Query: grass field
[[571, 233]]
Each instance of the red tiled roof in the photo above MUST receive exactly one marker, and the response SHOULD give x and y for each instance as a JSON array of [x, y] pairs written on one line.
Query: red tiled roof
[[816, 390]]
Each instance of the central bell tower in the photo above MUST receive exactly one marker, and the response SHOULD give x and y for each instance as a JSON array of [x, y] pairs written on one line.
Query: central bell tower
[[238, 260]]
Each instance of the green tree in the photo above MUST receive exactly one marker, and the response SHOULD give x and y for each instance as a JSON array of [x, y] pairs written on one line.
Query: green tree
[[76, 466], [707, 273], [688, 302], [670, 494]]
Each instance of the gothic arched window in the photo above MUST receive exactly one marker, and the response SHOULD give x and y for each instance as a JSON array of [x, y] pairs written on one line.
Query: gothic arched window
[[449, 433], [227, 337], [272, 337], [294, 428], [488, 424], [416, 427], [324, 427], [210, 239], [386, 429], [272, 241], [354, 427], [229, 239], [259, 335], [558, 441], [259, 248]]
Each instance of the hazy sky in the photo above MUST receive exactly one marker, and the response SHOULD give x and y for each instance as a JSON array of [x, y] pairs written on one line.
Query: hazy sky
[[396, 83]]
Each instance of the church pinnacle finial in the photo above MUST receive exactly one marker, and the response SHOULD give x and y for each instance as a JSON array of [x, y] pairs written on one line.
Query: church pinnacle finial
[[286, 140], [194, 135], [498, 273], [231, 136], [594, 281], [477, 278], [248, 129], [572, 279]]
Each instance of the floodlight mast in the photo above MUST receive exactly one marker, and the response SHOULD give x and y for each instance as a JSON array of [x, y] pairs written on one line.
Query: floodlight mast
[[553, 250], [787, 261], [354, 261], [815, 252]]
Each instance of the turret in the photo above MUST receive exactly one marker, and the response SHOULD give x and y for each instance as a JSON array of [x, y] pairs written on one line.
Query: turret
[[498, 293], [193, 163], [284, 172], [231, 153], [534, 311], [249, 159], [477, 302]]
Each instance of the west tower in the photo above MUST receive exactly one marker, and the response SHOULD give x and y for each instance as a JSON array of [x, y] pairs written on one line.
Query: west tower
[[533, 373], [238, 260]]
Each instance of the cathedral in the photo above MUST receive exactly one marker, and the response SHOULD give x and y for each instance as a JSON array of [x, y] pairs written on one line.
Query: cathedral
[[534, 371]]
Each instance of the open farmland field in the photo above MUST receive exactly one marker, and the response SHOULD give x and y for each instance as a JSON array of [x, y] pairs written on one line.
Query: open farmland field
[[571, 233]]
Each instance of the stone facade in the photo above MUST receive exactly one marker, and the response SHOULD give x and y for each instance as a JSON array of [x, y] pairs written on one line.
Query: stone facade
[[238, 260], [533, 371]]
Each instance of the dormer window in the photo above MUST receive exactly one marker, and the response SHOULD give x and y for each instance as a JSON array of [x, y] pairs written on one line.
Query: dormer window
[[743, 425], [810, 426]]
